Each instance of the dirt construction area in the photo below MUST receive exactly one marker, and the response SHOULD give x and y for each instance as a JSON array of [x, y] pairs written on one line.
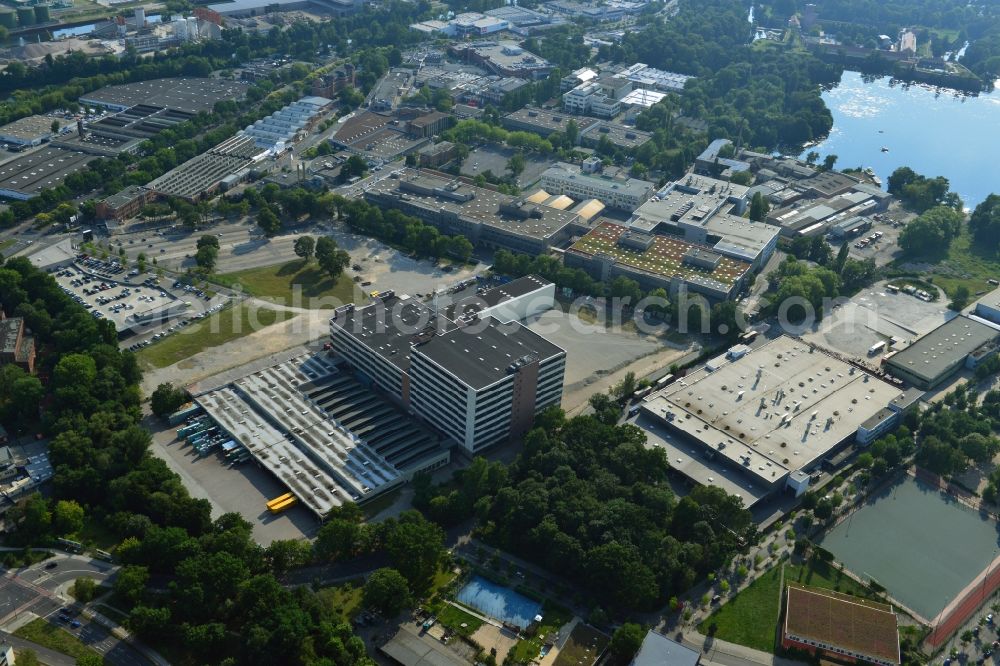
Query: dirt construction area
[[598, 356]]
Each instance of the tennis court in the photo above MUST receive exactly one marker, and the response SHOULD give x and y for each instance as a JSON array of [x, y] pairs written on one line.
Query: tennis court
[[499, 602], [918, 542]]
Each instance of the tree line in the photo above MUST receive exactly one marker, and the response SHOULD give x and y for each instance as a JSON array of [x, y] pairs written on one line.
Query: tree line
[[591, 502]]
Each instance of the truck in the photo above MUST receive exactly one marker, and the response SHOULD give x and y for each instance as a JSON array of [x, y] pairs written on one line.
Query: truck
[[664, 381], [876, 348]]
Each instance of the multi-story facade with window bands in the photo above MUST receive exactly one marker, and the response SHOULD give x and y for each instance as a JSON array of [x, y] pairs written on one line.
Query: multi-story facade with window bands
[[467, 368], [483, 387]]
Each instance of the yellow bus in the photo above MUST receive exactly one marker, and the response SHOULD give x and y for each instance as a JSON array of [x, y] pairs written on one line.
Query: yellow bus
[[287, 504], [279, 500]]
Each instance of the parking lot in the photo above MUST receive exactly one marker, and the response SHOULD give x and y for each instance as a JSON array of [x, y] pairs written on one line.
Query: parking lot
[[877, 315], [490, 158], [881, 242], [150, 306]]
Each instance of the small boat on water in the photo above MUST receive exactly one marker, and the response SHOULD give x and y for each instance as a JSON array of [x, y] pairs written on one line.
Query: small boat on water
[[884, 149]]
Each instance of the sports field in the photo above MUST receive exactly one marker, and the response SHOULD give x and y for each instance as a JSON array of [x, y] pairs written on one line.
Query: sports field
[[921, 544]]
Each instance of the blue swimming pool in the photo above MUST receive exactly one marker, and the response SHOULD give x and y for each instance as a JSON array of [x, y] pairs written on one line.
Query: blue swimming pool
[[499, 602]]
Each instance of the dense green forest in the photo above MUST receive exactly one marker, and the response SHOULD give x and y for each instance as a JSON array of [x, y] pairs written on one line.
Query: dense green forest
[[590, 502], [760, 97]]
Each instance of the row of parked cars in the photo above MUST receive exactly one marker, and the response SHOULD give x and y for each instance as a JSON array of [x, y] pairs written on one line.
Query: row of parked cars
[[106, 268], [865, 242]]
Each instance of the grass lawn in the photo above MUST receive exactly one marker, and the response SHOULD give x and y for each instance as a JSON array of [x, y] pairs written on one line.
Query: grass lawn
[[751, 617], [230, 324], [280, 282], [55, 638], [454, 618], [583, 647], [111, 613], [553, 618], [965, 265], [344, 600], [4, 244]]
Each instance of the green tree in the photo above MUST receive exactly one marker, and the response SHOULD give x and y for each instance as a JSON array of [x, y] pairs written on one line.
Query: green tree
[[268, 221], [36, 518], [626, 641], [386, 591], [838, 263], [67, 517], [166, 399], [932, 232], [131, 582], [828, 162], [960, 297], [415, 547], [331, 259], [354, 166], [516, 163], [54, 127], [84, 589], [759, 207], [207, 253], [984, 223], [304, 247]]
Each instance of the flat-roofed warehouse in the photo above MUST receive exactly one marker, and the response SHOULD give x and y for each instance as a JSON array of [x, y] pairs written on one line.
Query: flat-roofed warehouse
[[960, 342], [203, 174], [189, 94], [26, 176], [487, 218], [29, 131], [320, 433], [768, 416], [818, 621]]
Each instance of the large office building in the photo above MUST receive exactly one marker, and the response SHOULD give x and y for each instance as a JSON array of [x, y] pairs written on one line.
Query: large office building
[[656, 261], [29, 131], [756, 422], [624, 194], [203, 174], [589, 99], [960, 342], [706, 211], [486, 217], [188, 94], [478, 379]]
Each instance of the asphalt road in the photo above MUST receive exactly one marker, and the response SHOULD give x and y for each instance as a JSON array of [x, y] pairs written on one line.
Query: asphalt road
[[35, 590]]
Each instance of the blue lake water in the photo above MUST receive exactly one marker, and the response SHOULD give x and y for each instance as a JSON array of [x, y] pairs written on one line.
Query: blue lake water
[[499, 602], [935, 134]]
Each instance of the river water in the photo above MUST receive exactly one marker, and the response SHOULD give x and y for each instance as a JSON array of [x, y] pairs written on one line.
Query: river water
[[935, 134]]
